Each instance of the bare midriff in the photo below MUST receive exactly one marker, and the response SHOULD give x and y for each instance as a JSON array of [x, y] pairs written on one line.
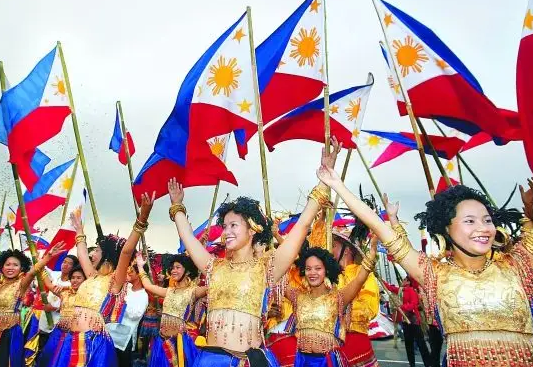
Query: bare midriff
[[86, 319], [234, 330]]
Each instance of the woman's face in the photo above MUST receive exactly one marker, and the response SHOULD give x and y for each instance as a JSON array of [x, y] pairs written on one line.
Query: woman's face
[[96, 256], [315, 271], [237, 232], [472, 227], [76, 279], [177, 271], [11, 268]]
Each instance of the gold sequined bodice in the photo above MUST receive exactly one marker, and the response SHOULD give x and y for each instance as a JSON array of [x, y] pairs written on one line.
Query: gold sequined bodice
[[66, 311], [238, 287], [93, 292], [9, 294], [177, 300], [317, 320], [492, 300]]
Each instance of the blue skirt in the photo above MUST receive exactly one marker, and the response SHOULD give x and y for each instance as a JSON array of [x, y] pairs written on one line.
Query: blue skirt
[[169, 351], [88, 349], [56, 338], [334, 358], [217, 357], [12, 347]]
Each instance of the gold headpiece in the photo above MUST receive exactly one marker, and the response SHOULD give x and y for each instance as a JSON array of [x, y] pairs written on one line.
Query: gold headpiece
[[256, 227]]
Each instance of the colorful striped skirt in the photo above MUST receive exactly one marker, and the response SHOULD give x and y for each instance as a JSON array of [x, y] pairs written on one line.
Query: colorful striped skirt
[[358, 350], [334, 358], [176, 351], [218, 357]]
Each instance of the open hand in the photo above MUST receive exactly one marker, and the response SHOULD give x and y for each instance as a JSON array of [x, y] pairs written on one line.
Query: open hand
[[175, 191], [57, 249], [76, 222], [147, 203], [527, 198], [328, 176], [140, 260], [329, 159]]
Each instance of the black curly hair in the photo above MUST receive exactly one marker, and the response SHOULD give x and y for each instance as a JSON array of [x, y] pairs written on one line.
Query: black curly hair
[[25, 262], [185, 261], [75, 269], [248, 208], [333, 269], [442, 209], [111, 246]]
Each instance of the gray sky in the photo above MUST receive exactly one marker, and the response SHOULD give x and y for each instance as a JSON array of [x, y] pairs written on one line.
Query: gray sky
[[139, 52]]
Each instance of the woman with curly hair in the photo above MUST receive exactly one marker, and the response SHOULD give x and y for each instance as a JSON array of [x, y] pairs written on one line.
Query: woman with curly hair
[[67, 296], [173, 347], [320, 309], [483, 303], [100, 299], [17, 275], [239, 285]]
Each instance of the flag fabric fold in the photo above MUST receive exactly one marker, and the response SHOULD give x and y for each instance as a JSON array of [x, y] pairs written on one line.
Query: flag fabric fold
[[346, 110], [524, 83], [438, 84], [34, 111], [117, 143], [49, 193]]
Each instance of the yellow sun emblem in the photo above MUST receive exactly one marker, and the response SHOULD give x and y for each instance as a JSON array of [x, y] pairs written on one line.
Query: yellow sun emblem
[[410, 55], [305, 47], [224, 76], [66, 184], [218, 146], [59, 87], [373, 141], [356, 133], [353, 109], [450, 166], [11, 217]]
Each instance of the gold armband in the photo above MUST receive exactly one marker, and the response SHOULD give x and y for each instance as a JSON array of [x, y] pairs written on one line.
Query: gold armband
[[38, 268], [81, 238], [176, 208], [140, 227], [321, 196], [398, 228], [369, 265], [398, 247]]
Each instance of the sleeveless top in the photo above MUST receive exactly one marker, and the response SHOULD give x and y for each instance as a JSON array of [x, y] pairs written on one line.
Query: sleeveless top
[[10, 299], [176, 310]]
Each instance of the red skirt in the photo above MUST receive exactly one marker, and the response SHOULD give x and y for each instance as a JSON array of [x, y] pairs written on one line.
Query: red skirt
[[358, 350], [283, 346]]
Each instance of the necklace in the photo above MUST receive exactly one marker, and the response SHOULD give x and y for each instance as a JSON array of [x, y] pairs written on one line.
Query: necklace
[[233, 264], [471, 271]]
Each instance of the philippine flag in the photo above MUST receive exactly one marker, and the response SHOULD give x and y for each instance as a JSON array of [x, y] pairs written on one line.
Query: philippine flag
[[524, 83], [34, 110], [346, 110], [216, 98], [49, 193], [438, 84], [118, 143], [290, 66], [40, 243], [67, 233]]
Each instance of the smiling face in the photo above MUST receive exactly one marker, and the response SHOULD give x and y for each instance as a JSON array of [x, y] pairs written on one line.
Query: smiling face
[[472, 228], [11, 268], [237, 232], [76, 279], [315, 271], [177, 272], [96, 256]]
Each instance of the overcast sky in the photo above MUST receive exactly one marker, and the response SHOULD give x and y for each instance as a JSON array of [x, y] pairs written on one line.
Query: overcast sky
[[140, 51]]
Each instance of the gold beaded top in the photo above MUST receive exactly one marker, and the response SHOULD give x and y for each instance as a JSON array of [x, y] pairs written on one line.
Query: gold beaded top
[[9, 294], [66, 311], [177, 300], [92, 292]]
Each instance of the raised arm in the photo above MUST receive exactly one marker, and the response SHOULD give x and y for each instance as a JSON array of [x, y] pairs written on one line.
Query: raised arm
[[287, 253], [145, 280], [178, 214], [350, 291], [275, 232], [140, 226], [81, 246], [527, 224], [39, 266], [395, 240]]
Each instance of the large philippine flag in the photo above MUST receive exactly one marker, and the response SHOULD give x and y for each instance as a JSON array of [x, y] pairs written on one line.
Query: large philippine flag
[[346, 110], [34, 110], [438, 84]]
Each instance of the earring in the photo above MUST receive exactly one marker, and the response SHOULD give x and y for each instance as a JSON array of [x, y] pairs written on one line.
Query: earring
[[441, 243], [305, 284], [504, 235], [327, 283]]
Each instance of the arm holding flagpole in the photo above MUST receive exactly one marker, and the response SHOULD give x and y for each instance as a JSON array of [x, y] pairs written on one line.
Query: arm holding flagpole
[[394, 239]]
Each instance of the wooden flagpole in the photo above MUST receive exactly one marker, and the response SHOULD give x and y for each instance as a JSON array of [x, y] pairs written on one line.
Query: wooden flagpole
[[73, 178], [409, 108], [327, 132], [79, 144], [24, 216], [434, 153], [259, 113], [2, 209], [8, 228], [371, 175]]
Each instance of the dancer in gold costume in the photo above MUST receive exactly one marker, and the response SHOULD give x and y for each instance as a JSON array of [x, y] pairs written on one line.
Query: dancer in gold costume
[[482, 304], [173, 346], [240, 285]]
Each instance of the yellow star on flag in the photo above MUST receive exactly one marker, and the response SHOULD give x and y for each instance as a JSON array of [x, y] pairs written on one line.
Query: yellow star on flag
[[334, 109], [245, 106], [281, 63], [388, 20], [314, 6], [441, 64], [238, 35], [528, 20]]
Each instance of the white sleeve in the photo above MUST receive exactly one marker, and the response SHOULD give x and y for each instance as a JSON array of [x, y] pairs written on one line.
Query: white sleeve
[[136, 305]]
